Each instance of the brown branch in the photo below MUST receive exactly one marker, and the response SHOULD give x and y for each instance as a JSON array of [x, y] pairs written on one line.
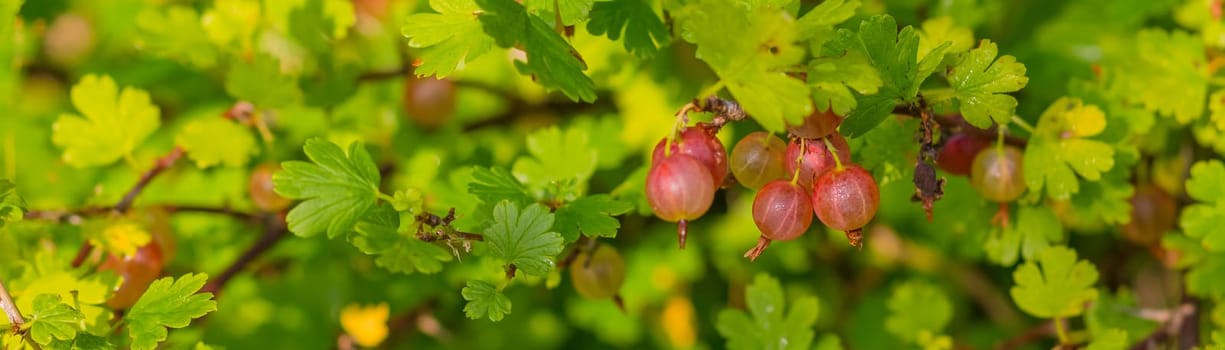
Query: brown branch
[[384, 75], [274, 231], [519, 107], [10, 309], [75, 217], [1181, 326], [1033, 334], [159, 166], [240, 215]]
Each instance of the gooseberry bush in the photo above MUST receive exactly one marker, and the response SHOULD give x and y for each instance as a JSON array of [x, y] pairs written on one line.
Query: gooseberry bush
[[744, 174]]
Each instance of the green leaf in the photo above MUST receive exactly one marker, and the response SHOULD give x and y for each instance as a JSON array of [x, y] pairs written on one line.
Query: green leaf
[[1059, 150], [765, 326], [1200, 220], [260, 82], [317, 24], [52, 319], [523, 238], [451, 37], [496, 184], [1204, 276], [408, 201], [1035, 229], [1166, 72], [592, 216], [833, 78], [557, 156], [571, 11], [83, 341], [1118, 313], [379, 235], [888, 161], [893, 54], [1059, 288], [916, 307], [200, 139], [643, 30], [231, 24], [939, 30], [829, 342], [817, 25], [167, 303], [175, 32], [981, 82], [749, 47], [484, 299], [1110, 339], [550, 59], [337, 189], [12, 207], [111, 125]]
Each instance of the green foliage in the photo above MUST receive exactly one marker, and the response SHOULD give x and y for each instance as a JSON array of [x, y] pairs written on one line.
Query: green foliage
[[769, 324], [541, 149], [591, 216], [980, 82], [1060, 150], [11, 205], [1059, 288], [522, 237], [51, 319], [169, 303], [1200, 220], [453, 36], [199, 137], [893, 53], [917, 310], [175, 32], [765, 42], [1167, 74], [111, 125], [634, 19], [338, 188], [485, 300], [378, 234], [1035, 229], [260, 81], [557, 157], [551, 61]]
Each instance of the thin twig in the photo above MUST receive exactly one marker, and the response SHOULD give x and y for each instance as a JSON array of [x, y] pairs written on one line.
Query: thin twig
[[1174, 327], [274, 231], [75, 217], [10, 309], [159, 166], [1035, 333], [163, 163]]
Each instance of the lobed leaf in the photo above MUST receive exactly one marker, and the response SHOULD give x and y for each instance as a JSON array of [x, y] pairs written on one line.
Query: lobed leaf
[[111, 125], [168, 303], [337, 189]]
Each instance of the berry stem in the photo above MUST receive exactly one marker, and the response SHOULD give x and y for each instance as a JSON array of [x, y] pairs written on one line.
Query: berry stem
[[1024, 124], [834, 151], [762, 244], [799, 161], [1061, 330], [682, 230]]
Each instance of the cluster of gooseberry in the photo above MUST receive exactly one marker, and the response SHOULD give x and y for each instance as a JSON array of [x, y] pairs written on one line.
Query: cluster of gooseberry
[[813, 174]]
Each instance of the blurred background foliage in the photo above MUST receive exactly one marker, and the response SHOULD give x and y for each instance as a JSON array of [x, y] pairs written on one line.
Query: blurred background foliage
[[192, 55]]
